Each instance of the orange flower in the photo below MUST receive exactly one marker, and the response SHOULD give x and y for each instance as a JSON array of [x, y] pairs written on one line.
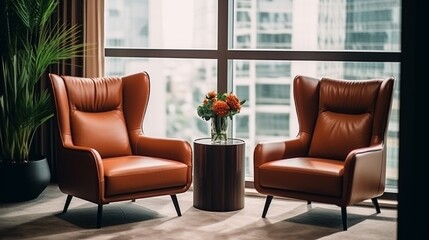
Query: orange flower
[[219, 105], [212, 94], [221, 108], [233, 102]]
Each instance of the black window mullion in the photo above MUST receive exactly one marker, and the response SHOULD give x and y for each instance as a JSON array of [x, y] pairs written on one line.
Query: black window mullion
[[223, 55], [222, 46]]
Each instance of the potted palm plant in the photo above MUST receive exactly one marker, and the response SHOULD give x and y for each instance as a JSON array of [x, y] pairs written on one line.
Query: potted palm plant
[[31, 43]]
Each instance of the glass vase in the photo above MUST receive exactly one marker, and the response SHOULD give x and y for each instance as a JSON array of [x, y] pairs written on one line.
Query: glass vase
[[219, 129]]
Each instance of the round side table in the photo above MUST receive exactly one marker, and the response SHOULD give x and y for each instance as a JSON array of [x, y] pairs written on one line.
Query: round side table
[[218, 183]]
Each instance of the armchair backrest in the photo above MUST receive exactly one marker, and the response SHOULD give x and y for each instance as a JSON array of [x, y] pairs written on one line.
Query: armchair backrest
[[102, 113], [336, 116]]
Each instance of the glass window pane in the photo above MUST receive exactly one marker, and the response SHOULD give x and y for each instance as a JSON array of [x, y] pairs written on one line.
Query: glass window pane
[[178, 86], [317, 25], [161, 24], [273, 94], [242, 126], [271, 124]]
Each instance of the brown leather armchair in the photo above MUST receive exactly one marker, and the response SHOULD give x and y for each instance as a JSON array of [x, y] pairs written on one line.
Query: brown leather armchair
[[339, 154], [105, 156]]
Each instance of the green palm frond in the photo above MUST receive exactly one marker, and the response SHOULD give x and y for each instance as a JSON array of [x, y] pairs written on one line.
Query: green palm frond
[[34, 43], [35, 14]]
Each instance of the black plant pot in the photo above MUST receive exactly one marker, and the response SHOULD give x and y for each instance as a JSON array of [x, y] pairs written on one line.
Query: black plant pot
[[23, 181]]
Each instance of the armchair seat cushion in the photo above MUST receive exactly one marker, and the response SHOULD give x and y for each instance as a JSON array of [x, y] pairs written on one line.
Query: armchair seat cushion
[[303, 174], [139, 173]]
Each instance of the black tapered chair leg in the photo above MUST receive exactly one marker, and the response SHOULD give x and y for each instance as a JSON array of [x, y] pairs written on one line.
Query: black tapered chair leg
[[66, 205], [99, 215], [344, 217], [176, 204], [375, 203], [267, 205]]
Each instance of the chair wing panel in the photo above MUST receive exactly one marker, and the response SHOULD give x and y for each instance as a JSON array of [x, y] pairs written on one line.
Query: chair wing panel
[[136, 90], [306, 96], [382, 111], [62, 115]]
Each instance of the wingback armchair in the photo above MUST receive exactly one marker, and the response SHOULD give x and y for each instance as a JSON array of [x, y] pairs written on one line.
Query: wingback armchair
[[104, 154], [339, 154]]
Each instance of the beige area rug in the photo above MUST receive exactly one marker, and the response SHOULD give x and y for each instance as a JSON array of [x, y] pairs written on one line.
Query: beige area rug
[[155, 218]]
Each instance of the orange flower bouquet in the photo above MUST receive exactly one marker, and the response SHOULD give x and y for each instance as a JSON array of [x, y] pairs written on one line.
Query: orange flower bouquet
[[217, 108]]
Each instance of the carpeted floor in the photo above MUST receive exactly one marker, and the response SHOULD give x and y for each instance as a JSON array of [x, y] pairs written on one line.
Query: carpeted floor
[[155, 218]]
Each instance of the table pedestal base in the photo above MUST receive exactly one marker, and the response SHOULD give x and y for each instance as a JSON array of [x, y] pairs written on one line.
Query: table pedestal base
[[218, 183]]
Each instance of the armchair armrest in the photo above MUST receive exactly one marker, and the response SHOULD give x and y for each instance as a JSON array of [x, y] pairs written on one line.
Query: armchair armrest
[[275, 150], [365, 175], [168, 148], [81, 173]]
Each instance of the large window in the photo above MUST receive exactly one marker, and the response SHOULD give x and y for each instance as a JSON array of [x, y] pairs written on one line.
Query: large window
[[254, 48]]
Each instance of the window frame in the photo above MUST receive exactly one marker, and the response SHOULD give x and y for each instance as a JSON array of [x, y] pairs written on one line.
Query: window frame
[[224, 55]]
